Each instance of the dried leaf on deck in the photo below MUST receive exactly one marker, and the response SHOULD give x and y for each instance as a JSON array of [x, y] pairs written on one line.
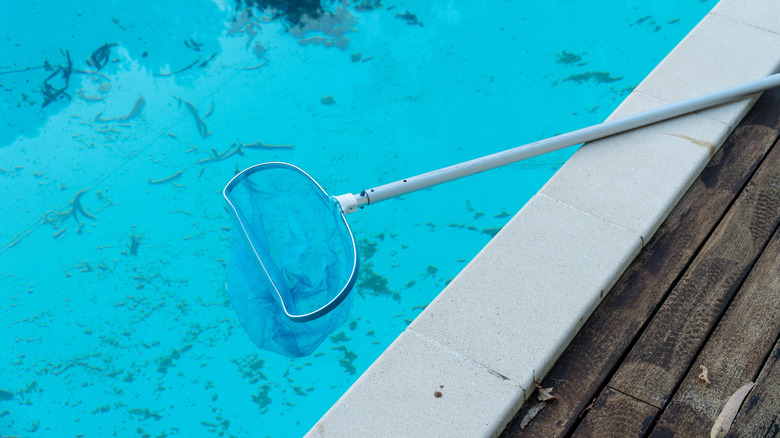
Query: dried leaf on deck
[[587, 408], [530, 414], [704, 375], [722, 425], [544, 393]]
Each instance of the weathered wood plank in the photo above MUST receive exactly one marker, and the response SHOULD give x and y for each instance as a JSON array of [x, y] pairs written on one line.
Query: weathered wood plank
[[585, 366], [661, 356], [615, 414], [733, 355], [760, 413]]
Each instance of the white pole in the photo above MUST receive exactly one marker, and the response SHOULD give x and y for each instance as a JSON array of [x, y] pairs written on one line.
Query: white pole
[[350, 202]]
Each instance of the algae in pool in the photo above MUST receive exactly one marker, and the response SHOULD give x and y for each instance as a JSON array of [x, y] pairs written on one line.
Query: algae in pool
[[121, 123]]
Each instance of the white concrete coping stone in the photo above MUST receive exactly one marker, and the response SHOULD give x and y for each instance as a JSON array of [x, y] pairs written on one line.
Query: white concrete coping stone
[[465, 365], [718, 53], [438, 388], [759, 13], [635, 179], [517, 298]]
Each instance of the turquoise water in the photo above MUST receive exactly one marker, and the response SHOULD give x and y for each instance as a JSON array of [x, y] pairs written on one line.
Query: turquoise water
[[115, 319]]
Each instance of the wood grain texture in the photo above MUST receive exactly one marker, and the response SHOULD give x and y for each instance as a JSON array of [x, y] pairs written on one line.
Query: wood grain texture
[[760, 413], [733, 355], [617, 415], [583, 369], [664, 351]]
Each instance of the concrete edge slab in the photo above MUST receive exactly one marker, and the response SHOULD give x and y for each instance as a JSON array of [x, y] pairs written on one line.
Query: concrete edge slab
[[633, 180], [420, 388], [761, 13], [682, 74], [511, 310], [738, 52]]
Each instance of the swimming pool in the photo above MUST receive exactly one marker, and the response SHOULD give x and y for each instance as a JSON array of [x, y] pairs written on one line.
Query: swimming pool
[[116, 318]]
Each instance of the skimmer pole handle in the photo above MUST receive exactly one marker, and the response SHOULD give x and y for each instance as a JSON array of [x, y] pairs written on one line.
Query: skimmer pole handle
[[351, 202]]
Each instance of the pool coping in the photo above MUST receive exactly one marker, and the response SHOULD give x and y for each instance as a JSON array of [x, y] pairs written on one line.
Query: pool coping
[[467, 363]]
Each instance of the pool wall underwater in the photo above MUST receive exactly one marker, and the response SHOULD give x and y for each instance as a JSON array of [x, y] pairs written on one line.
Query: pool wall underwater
[[467, 363]]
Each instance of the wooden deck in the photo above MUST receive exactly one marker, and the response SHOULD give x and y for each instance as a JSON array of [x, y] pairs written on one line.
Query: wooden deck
[[705, 291]]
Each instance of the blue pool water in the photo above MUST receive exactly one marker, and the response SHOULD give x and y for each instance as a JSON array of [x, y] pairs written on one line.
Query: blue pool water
[[113, 232]]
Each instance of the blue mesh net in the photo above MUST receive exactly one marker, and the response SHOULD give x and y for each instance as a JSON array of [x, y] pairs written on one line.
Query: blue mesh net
[[293, 260]]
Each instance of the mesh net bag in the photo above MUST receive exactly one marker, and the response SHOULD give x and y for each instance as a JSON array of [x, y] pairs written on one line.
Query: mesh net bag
[[293, 259]]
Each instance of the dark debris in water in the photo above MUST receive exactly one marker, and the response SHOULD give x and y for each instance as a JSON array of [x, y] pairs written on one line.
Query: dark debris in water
[[368, 5], [146, 414], [374, 283], [366, 249], [339, 337], [347, 361], [32, 387], [14, 172], [262, 399], [250, 368], [214, 427], [135, 243], [75, 209], [568, 58], [168, 361], [76, 362], [293, 11], [299, 391], [643, 19], [100, 57], [598, 76], [491, 231], [52, 93], [256, 364], [409, 18], [470, 227], [101, 409], [138, 106]]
